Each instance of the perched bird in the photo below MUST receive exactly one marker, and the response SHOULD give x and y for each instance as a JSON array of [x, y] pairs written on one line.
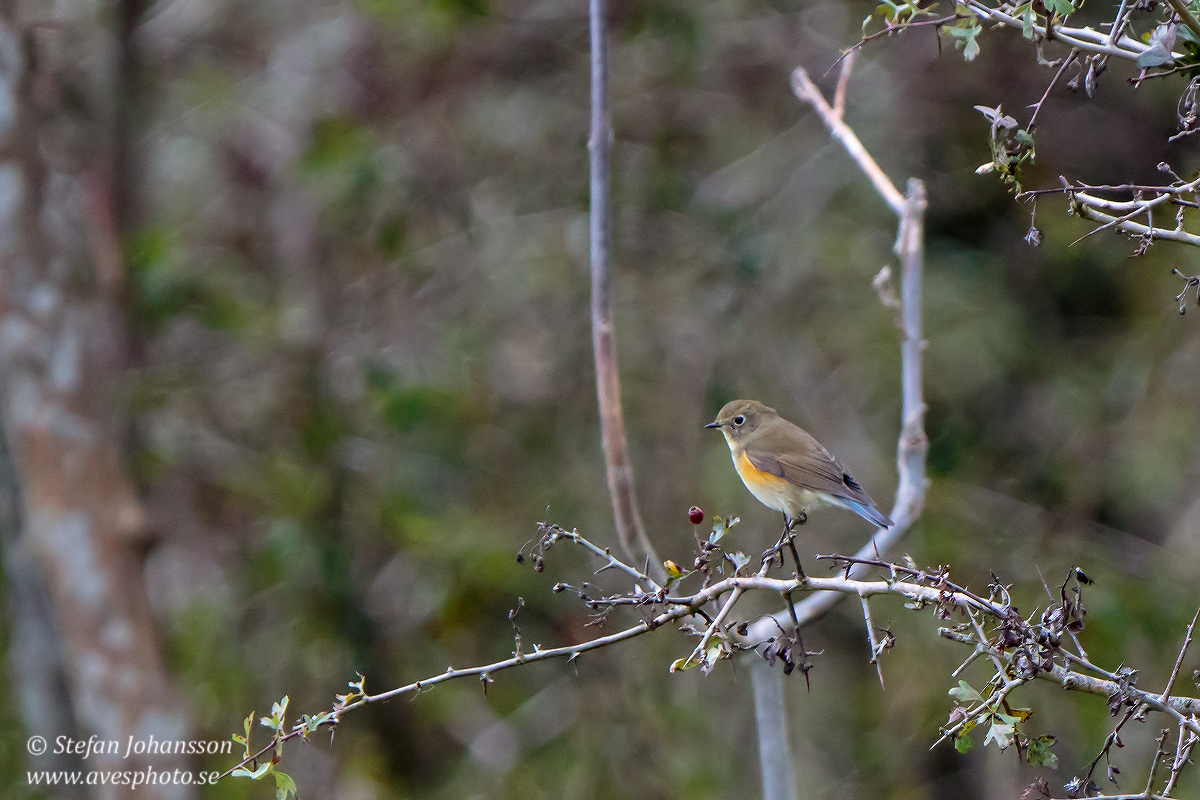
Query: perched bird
[[786, 468]]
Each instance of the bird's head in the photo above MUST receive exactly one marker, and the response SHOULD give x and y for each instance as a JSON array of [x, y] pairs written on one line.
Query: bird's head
[[740, 418]]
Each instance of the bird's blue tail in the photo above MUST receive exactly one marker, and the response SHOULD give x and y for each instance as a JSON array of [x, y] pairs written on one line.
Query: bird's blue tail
[[870, 513]]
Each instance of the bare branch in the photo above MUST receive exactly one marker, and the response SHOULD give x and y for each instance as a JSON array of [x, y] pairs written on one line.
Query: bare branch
[[1159, 751], [807, 91], [1185, 15], [1134, 228], [1038, 106], [698, 652], [875, 647], [1119, 22], [1187, 740], [1086, 39], [1187, 642], [839, 94], [1176, 707], [619, 469], [920, 589], [888, 31]]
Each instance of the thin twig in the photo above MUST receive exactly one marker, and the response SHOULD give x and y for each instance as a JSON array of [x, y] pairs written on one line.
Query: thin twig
[[698, 652], [1160, 750], [1001, 668], [1119, 22], [1053, 599], [612, 562], [1062, 68], [1145, 76], [875, 649], [889, 30], [1187, 642], [807, 91], [968, 662], [1087, 205], [839, 94], [1185, 15], [1183, 751]]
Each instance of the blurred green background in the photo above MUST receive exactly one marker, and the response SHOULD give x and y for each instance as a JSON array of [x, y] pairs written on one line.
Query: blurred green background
[[357, 240]]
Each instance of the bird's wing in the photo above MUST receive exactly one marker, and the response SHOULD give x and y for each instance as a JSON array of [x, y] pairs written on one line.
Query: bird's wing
[[810, 466]]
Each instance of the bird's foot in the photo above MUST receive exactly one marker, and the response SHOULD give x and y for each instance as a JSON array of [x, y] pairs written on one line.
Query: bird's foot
[[788, 539]]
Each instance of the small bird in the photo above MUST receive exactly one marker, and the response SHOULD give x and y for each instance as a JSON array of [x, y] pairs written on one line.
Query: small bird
[[786, 468]]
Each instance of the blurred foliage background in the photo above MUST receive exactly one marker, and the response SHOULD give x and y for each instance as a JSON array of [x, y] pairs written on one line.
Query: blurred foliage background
[[356, 240]]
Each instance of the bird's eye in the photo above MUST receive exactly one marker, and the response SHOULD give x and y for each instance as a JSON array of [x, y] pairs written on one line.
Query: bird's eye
[[738, 420]]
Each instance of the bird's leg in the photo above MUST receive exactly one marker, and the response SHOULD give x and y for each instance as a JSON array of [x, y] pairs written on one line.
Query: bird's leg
[[789, 538], [768, 556]]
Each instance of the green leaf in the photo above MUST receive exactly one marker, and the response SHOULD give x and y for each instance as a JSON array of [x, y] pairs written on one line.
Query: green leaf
[[284, 785], [967, 39], [1156, 56], [681, 665], [1038, 752], [721, 527], [971, 46], [966, 694], [739, 560], [711, 656], [962, 743], [1063, 7], [278, 714], [1162, 39], [242, 772], [1021, 714], [1027, 22], [310, 724], [1001, 732]]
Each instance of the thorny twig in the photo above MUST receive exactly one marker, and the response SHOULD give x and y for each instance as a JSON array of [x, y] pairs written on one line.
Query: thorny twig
[[1037, 107], [876, 647]]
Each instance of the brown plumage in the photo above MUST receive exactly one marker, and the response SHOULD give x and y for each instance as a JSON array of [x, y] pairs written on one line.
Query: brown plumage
[[785, 467]]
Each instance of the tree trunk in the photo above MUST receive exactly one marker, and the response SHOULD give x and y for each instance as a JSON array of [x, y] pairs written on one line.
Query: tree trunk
[[62, 358]]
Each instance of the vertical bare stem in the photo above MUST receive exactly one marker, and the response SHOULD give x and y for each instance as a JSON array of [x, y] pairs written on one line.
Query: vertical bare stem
[[770, 715], [630, 531], [912, 446]]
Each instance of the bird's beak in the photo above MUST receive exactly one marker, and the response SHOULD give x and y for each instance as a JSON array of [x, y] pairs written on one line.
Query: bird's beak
[[713, 425]]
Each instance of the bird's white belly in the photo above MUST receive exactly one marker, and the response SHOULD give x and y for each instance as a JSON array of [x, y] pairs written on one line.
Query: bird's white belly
[[792, 501]]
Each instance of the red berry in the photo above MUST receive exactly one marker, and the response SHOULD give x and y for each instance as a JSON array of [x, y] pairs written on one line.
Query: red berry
[[695, 515]]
